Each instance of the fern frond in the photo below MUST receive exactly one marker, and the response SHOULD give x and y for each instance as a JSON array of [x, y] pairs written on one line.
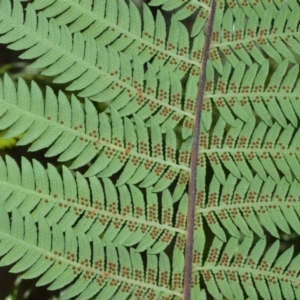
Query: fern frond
[[243, 207], [120, 230], [259, 157], [91, 206], [114, 23], [186, 8], [252, 146], [99, 269], [231, 269], [78, 134], [86, 67], [271, 29], [252, 91], [259, 6]]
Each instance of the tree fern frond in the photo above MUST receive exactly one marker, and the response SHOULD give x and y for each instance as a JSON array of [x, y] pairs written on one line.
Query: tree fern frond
[[269, 29], [241, 206], [253, 146], [249, 91], [114, 23], [185, 9], [232, 269], [76, 134], [100, 21], [87, 69], [63, 257], [90, 205], [258, 7], [127, 227]]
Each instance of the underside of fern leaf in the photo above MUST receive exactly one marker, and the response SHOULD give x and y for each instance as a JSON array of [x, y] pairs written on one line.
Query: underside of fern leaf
[[176, 140]]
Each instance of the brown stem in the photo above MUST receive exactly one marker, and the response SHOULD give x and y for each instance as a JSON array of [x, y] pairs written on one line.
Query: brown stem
[[194, 157]]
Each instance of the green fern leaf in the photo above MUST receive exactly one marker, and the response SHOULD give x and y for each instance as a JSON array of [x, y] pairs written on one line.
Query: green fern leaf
[[185, 9], [125, 30], [67, 202], [113, 219], [72, 133], [87, 267], [257, 274], [49, 45], [243, 43]]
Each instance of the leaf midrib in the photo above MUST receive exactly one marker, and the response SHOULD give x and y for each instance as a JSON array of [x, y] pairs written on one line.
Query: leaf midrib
[[243, 270], [255, 205], [254, 39]]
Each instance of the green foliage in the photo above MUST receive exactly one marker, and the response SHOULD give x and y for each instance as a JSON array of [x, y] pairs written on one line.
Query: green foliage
[[108, 220]]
